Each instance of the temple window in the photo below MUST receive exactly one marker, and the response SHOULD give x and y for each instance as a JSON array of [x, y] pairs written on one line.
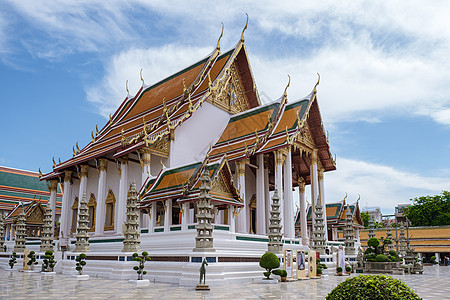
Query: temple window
[[74, 214], [176, 213], [110, 204], [159, 213], [92, 206]]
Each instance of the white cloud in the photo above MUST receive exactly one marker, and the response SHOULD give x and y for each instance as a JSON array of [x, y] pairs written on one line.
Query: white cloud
[[379, 185], [157, 64]]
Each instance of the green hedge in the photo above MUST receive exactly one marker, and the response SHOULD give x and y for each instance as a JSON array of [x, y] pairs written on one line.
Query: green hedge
[[365, 287]]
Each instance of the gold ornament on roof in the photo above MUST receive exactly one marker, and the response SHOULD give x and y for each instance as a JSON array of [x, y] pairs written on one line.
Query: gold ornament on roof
[[242, 34], [74, 152], [54, 162], [285, 89], [78, 148], [142, 78], [126, 85], [92, 136], [218, 41], [110, 120], [318, 81], [184, 86], [122, 137], [96, 129], [59, 160], [40, 173]]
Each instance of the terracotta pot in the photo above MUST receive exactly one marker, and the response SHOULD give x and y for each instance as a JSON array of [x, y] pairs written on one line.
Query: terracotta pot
[[283, 279]]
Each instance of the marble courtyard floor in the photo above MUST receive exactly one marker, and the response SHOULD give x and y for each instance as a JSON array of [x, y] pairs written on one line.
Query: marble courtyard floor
[[433, 284]]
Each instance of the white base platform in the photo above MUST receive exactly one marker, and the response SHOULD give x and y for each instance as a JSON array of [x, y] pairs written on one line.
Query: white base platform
[[81, 277], [48, 273], [266, 281], [140, 283]]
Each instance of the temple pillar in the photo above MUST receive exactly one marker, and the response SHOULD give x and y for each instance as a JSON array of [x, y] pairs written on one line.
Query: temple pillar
[[266, 190], [322, 201], [303, 221], [152, 218], [7, 232], [145, 163], [314, 183], [280, 157], [167, 215], [66, 210], [121, 205], [83, 174], [231, 218], [289, 224], [260, 197], [243, 217], [101, 197], [53, 188], [185, 216]]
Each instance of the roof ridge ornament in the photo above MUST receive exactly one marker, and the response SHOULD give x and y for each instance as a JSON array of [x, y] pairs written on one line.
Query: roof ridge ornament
[[126, 86], [285, 89], [218, 41], [142, 78], [318, 81], [242, 34]]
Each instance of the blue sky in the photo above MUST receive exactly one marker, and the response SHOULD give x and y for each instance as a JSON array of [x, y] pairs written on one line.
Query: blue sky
[[384, 92]]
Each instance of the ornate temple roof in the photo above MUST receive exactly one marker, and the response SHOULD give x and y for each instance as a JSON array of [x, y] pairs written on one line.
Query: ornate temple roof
[[34, 213], [182, 184], [18, 186]]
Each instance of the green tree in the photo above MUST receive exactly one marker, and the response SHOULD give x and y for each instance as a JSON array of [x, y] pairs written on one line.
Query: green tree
[[365, 218], [430, 210]]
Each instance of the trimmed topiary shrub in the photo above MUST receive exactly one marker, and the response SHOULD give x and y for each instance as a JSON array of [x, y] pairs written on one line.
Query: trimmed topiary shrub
[[371, 257], [366, 287], [381, 258], [140, 268], [49, 261], [392, 253], [348, 269], [319, 271], [32, 259], [80, 259], [269, 261], [369, 250], [339, 269], [13, 260]]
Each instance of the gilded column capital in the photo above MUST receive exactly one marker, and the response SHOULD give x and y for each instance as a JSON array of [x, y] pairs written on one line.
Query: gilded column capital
[[146, 156], [301, 184], [67, 175], [320, 172], [280, 156], [102, 164], [124, 159], [53, 186], [314, 157], [84, 169], [240, 166]]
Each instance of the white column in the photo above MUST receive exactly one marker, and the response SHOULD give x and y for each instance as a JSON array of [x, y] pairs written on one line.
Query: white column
[[322, 201], [231, 218], [7, 231], [358, 240], [66, 213], [83, 183], [53, 187], [185, 217], [438, 258], [167, 215], [314, 184], [289, 224], [121, 205], [242, 218], [260, 197], [153, 216], [303, 221], [279, 161], [145, 162], [266, 190], [101, 197]]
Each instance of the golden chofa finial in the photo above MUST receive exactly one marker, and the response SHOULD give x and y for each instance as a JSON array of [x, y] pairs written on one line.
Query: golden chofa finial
[[92, 136], [96, 129], [110, 120], [318, 81], [59, 160], [285, 89], [54, 162], [126, 85], [40, 173], [218, 41], [78, 148], [74, 152], [242, 34], [184, 86], [359, 197], [142, 78]]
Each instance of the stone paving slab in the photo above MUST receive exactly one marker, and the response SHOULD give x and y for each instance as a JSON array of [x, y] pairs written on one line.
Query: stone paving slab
[[433, 284]]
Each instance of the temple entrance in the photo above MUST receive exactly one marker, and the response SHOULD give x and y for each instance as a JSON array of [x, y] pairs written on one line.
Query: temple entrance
[[252, 206]]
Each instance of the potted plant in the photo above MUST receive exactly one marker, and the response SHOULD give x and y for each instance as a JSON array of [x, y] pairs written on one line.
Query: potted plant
[[140, 268], [269, 261], [339, 271], [348, 270], [80, 263], [48, 263], [433, 260], [281, 273], [32, 260], [13, 260], [319, 272]]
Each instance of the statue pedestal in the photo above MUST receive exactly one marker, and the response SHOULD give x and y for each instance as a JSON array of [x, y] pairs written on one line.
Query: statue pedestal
[[140, 283], [202, 287]]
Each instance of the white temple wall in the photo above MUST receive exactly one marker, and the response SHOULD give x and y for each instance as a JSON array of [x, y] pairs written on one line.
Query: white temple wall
[[193, 137], [75, 191], [135, 173], [155, 164], [92, 183], [112, 179]]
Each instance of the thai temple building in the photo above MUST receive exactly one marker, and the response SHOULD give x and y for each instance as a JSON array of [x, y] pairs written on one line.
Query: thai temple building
[[22, 190], [206, 157]]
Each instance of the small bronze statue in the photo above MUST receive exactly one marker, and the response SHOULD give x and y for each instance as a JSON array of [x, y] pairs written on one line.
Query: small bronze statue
[[203, 272]]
